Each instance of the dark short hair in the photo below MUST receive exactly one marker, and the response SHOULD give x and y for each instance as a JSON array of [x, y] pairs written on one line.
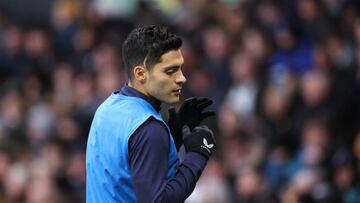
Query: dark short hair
[[148, 43]]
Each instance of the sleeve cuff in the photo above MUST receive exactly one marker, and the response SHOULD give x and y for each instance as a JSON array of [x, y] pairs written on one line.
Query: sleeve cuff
[[197, 158]]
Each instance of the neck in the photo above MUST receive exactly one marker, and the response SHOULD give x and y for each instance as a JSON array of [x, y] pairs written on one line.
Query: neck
[[129, 90], [138, 87]]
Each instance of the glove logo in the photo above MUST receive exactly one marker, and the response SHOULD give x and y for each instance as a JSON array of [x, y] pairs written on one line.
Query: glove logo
[[207, 145]]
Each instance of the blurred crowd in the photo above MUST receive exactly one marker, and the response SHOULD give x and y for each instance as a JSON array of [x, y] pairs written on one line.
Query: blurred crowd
[[284, 76]]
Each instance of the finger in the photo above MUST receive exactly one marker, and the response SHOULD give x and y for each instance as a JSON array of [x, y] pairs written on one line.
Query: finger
[[186, 131], [204, 104], [191, 105], [202, 99], [201, 127], [207, 114], [205, 128], [189, 100], [187, 103]]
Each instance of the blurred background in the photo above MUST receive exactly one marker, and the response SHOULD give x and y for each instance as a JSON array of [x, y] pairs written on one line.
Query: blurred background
[[284, 76]]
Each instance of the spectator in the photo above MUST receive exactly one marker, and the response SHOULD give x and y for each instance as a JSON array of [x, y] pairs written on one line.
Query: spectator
[[271, 67]]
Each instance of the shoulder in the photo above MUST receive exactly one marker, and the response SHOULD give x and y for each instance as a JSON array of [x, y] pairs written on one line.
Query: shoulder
[[152, 130], [127, 109], [151, 133]]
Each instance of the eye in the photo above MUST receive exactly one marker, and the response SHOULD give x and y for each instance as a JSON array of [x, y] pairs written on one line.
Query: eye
[[170, 72]]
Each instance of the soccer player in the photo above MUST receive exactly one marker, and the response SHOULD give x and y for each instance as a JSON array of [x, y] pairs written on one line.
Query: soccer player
[[131, 152]]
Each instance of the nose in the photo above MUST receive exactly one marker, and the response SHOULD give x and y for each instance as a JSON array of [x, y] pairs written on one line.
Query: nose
[[181, 79]]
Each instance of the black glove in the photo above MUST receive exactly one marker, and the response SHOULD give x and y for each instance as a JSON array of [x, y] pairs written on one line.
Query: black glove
[[201, 140], [190, 114]]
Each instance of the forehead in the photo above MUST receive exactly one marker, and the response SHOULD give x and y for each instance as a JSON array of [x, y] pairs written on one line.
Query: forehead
[[171, 58]]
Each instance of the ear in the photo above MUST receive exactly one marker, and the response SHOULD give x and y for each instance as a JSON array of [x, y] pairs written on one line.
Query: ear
[[140, 74]]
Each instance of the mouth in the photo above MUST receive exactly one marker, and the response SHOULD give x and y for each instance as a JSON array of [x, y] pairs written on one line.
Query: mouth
[[177, 92]]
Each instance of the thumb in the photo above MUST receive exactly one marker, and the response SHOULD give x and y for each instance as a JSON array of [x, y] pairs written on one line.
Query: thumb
[[186, 131], [202, 127]]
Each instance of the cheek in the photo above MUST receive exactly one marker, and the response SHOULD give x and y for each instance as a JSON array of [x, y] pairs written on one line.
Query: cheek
[[156, 82], [163, 83], [158, 86]]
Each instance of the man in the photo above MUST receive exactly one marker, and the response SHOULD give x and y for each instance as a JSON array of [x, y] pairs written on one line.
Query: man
[[131, 154]]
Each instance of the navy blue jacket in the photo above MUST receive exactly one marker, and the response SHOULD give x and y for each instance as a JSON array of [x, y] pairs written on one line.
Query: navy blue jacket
[[148, 153]]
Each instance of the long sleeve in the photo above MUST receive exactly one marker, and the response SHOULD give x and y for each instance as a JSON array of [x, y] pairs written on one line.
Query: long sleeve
[[148, 156]]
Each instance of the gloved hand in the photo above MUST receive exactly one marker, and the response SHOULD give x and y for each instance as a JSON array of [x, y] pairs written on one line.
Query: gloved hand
[[200, 140], [190, 114]]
